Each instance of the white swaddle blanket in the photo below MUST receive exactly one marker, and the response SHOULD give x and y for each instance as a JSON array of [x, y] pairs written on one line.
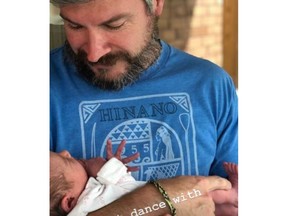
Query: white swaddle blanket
[[112, 182]]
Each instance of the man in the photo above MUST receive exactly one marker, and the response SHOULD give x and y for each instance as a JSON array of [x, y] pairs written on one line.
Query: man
[[115, 79]]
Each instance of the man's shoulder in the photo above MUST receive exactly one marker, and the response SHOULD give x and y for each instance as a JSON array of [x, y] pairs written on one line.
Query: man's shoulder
[[57, 52], [188, 62]]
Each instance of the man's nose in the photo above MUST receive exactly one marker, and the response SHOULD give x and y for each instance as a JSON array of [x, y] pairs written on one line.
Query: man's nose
[[97, 46]]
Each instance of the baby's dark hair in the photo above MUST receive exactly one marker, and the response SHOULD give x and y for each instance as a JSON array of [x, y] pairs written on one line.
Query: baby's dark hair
[[58, 188]]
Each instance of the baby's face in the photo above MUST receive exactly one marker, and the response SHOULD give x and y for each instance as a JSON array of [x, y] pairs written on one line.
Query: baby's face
[[73, 170]]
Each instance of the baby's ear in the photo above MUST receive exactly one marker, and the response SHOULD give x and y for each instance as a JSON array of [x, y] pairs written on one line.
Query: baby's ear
[[68, 202]]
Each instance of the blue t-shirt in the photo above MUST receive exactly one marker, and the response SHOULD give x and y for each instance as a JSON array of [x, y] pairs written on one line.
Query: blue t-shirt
[[181, 115]]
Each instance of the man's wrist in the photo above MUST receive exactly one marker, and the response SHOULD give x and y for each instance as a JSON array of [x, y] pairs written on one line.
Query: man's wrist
[[165, 196]]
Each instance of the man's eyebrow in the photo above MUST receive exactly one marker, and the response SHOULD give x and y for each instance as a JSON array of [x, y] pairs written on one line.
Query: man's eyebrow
[[67, 19], [118, 17], [111, 20]]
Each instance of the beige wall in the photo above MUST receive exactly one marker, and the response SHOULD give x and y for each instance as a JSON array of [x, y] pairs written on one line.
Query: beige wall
[[194, 26]]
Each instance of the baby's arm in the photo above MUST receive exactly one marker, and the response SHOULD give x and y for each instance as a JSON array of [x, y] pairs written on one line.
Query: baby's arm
[[93, 165]]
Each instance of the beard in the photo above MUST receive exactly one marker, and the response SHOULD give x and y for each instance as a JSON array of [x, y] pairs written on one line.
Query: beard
[[135, 64]]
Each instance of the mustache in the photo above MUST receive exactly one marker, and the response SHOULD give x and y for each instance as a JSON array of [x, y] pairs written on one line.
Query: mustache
[[109, 59]]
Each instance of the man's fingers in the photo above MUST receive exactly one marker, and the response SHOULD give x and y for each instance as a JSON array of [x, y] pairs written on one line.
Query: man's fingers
[[226, 210], [217, 183], [221, 196]]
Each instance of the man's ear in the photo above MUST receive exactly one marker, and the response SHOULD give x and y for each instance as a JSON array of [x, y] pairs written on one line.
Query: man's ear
[[158, 7], [68, 203]]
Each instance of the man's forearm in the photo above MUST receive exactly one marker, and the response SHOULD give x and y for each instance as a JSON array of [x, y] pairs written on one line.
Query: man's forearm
[[142, 200], [189, 195]]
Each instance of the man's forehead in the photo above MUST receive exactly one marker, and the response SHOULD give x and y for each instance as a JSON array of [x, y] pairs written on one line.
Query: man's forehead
[[104, 9]]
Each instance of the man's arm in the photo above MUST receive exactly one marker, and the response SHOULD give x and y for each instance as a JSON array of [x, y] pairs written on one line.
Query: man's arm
[[189, 195]]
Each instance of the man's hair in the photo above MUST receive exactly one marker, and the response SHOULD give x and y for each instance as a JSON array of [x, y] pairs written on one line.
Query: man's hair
[[58, 188], [60, 2]]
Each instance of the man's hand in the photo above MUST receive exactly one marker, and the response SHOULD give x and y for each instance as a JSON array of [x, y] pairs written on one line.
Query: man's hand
[[192, 205], [227, 201]]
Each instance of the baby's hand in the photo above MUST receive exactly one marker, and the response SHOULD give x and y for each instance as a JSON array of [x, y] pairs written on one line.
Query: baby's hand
[[118, 155]]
